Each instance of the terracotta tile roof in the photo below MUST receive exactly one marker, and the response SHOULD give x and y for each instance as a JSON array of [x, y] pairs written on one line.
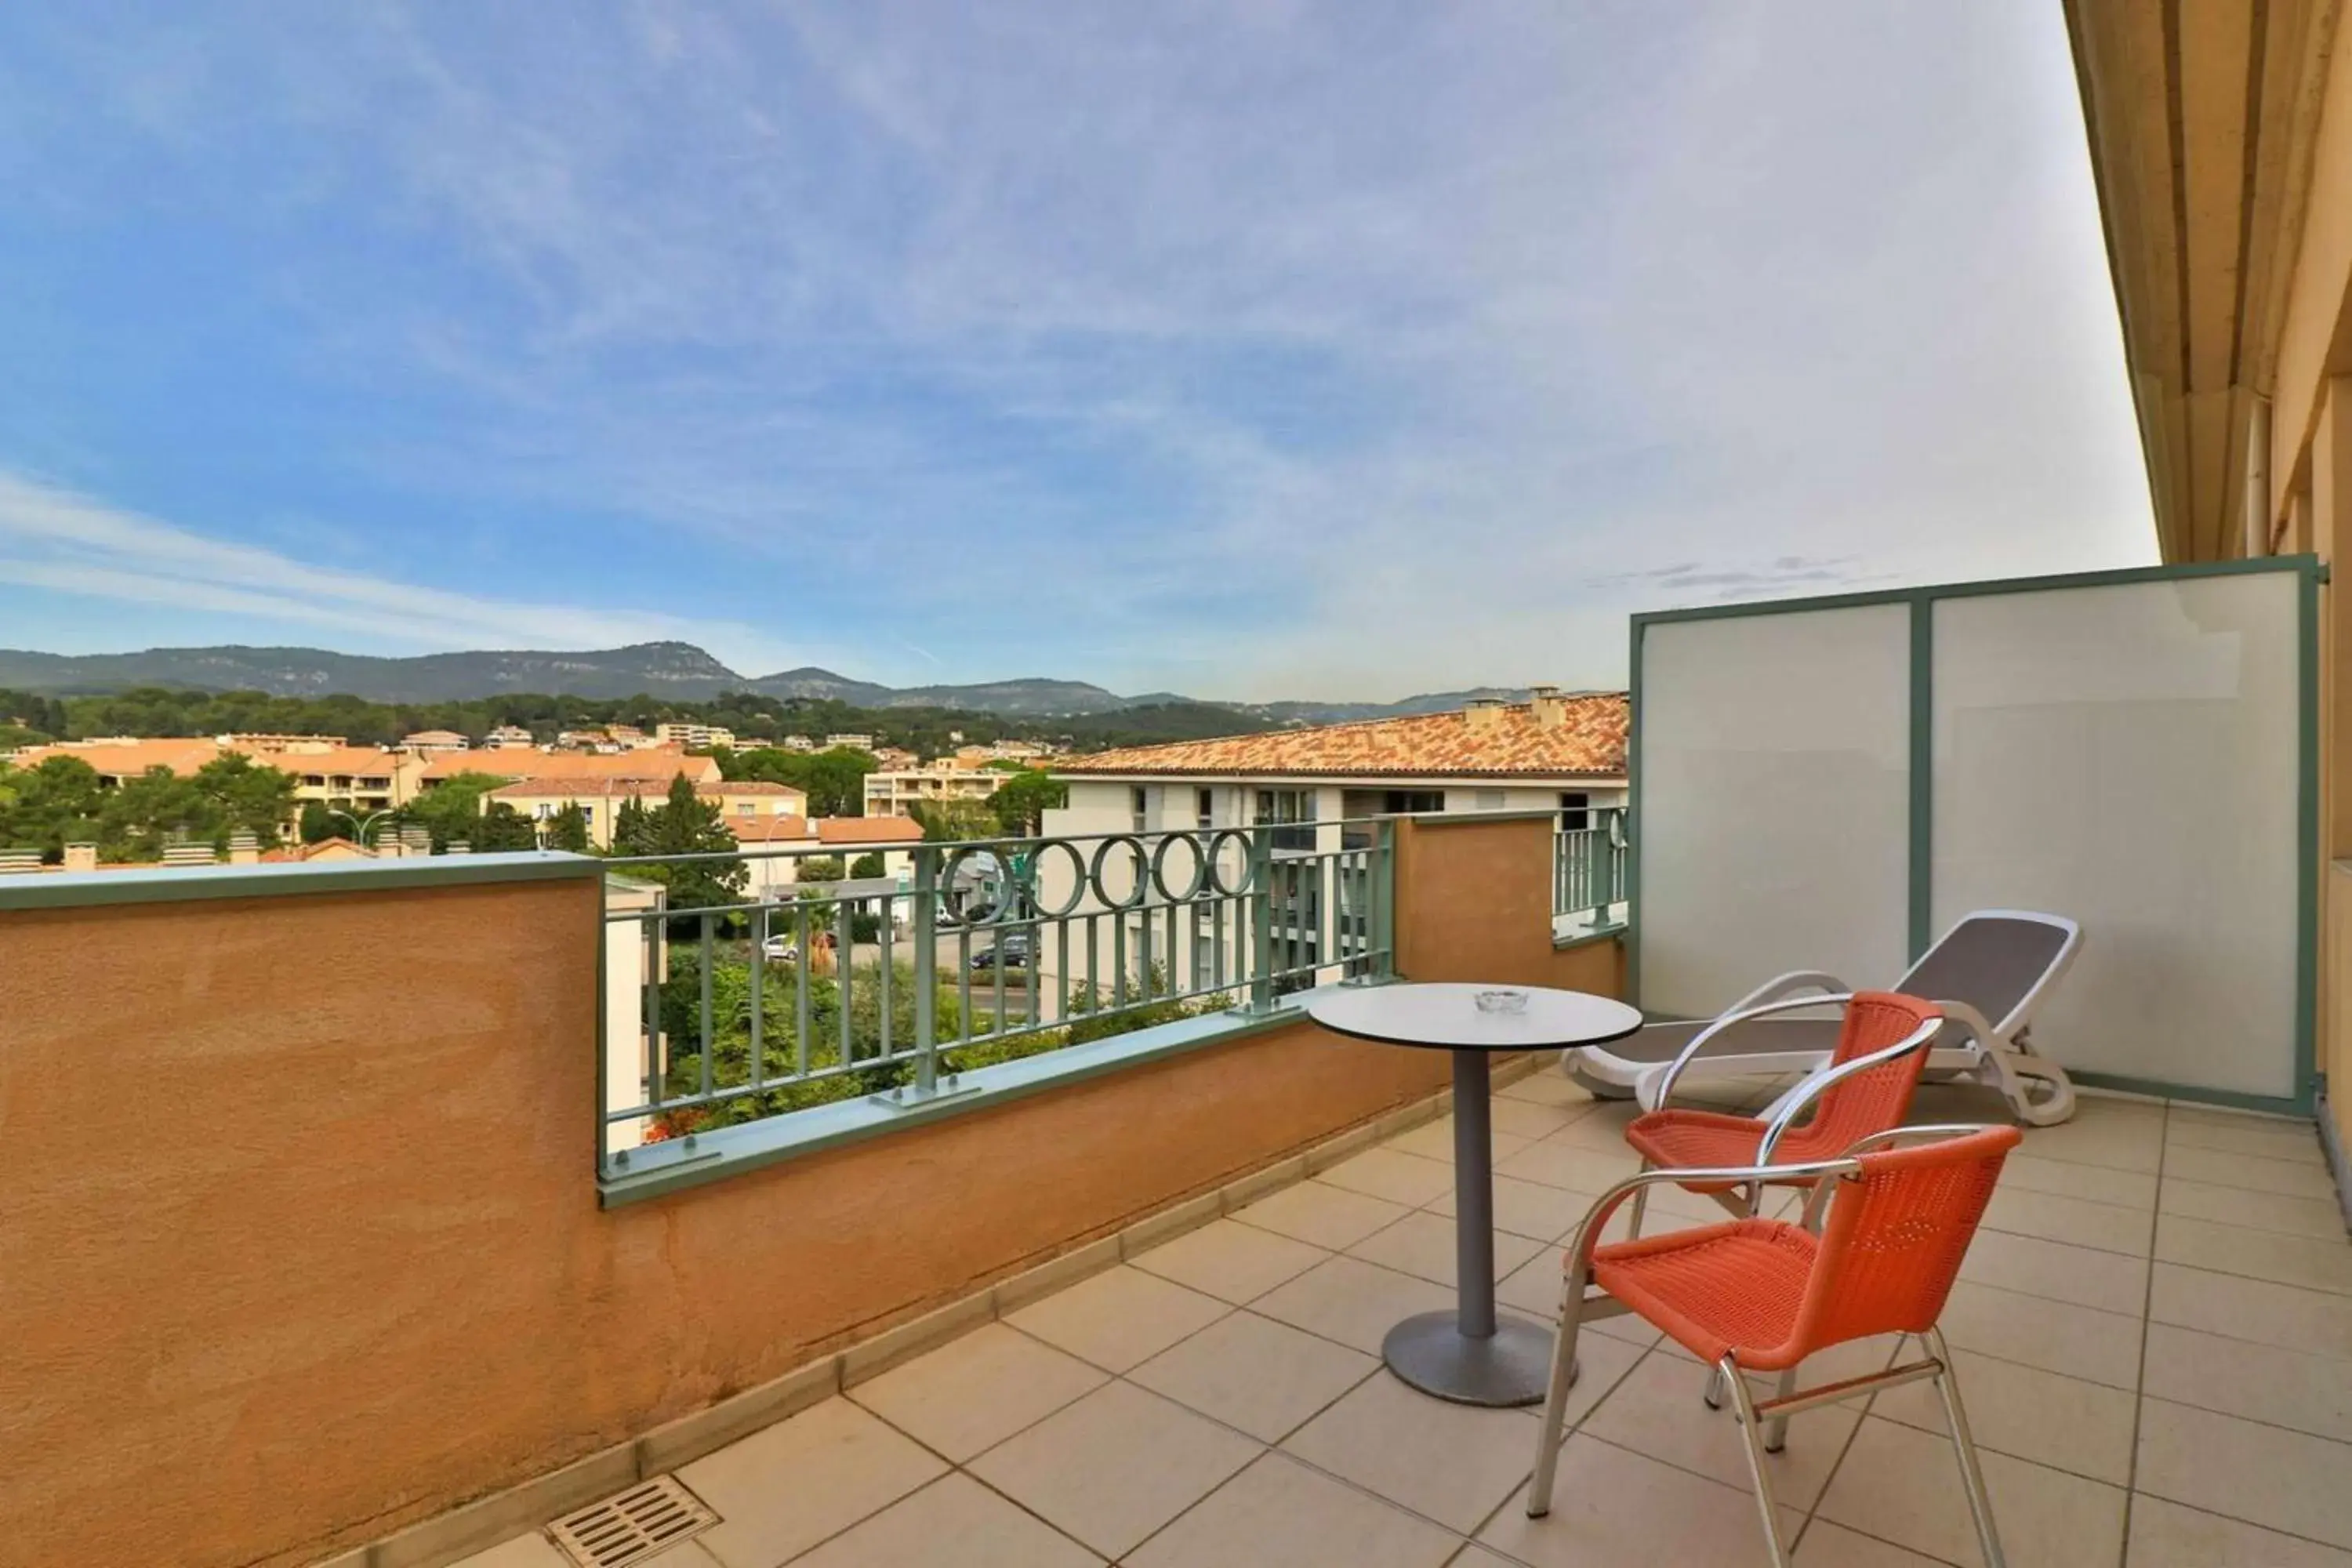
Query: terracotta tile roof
[[131, 760], [748, 787], [868, 830], [781, 827], [1510, 742], [573, 765], [366, 761]]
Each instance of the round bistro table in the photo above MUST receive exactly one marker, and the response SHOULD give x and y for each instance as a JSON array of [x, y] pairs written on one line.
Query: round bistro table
[[1466, 1355]]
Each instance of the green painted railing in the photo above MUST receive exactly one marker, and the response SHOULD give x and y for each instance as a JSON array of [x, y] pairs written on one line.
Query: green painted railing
[[734, 991], [1590, 890]]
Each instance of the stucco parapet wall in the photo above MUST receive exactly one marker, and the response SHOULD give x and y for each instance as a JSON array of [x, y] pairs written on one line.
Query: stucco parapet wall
[[179, 884], [447, 1537]]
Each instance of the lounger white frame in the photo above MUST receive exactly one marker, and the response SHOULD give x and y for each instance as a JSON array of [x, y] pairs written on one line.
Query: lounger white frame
[[2000, 1055]]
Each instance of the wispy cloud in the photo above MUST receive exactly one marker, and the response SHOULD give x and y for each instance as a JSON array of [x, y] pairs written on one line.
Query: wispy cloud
[[1351, 346], [56, 539]]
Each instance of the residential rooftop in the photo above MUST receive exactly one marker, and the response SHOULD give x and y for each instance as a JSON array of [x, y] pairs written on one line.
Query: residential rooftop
[[1579, 736]]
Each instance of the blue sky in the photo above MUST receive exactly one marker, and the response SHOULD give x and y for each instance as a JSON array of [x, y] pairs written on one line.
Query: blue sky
[[1254, 350]]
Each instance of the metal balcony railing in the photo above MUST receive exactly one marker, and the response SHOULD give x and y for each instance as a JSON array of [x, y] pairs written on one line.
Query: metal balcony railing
[[736, 990], [1590, 892]]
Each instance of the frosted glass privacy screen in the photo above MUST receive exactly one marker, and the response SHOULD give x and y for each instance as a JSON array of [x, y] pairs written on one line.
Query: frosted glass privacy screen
[[1774, 764], [2127, 755]]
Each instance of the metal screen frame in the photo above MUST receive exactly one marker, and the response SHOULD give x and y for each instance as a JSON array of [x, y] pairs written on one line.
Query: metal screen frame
[[2310, 573]]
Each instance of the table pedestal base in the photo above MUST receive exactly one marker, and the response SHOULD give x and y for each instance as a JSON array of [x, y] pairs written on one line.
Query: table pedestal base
[[1430, 1353]]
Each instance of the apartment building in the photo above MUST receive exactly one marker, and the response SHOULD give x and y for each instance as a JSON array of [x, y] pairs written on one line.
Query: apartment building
[[427, 740], [509, 737], [695, 737], [1556, 753], [894, 792], [323, 767]]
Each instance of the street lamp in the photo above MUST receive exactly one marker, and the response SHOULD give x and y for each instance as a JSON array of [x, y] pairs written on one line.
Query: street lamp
[[359, 825]]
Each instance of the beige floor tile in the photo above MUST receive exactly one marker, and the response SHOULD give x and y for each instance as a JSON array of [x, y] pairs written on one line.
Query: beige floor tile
[[2062, 1422], [1422, 1244], [2121, 1142], [1557, 1161], [1475, 1556], [1321, 1214], [1533, 1210], [1230, 1260], [2264, 1475], [1450, 1463], [2318, 1322], [689, 1554], [1602, 1364], [1531, 1118], [530, 1551], [2256, 1254], [2262, 1383], [2056, 1336], [2263, 1138], [1434, 1140], [1533, 1290], [955, 1519], [1613, 1508], [2320, 1218], [2077, 1222], [2295, 1178], [1392, 1174], [1116, 1466], [1253, 1373], [2127, 1189], [2081, 1275], [1903, 1485], [1827, 1545], [1659, 1411], [2167, 1535], [977, 1392], [1546, 1086], [1279, 1511], [785, 1488], [1119, 1317], [1351, 1301]]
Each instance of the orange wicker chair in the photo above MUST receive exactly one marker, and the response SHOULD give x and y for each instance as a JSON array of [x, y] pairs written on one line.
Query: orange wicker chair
[[1760, 1295], [1866, 1087]]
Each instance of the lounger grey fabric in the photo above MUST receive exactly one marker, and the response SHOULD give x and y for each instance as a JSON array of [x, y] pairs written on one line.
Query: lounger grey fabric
[[1663, 1042], [1988, 963]]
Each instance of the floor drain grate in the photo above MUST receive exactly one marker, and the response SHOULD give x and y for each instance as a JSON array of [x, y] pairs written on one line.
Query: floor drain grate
[[632, 1526]]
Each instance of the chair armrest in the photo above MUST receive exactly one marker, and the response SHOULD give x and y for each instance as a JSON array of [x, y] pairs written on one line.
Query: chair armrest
[[1781, 985], [1820, 1083], [1683, 1059]]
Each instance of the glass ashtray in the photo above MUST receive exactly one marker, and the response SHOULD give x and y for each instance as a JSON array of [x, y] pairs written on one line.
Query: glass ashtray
[[1503, 1001]]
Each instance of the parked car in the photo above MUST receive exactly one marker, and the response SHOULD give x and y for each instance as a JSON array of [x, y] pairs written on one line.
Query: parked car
[[1011, 950], [780, 949]]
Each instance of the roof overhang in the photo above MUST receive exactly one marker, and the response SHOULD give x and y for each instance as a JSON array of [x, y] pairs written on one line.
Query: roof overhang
[[2202, 117]]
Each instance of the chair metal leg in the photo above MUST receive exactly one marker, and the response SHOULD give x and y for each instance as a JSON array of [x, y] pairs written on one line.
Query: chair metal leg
[[1555, 1410], [1641, 1206], [1964, 1444], [1766, 1508], [1776, 1430]]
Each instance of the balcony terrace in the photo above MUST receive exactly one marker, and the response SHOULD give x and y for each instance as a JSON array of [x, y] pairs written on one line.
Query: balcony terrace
[[2153, 1329]]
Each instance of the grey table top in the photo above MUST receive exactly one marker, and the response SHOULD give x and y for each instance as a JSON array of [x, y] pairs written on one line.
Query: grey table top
[[1446, 1016]]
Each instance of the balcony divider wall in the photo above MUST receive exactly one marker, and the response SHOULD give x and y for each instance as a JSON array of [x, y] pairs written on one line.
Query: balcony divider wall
[[1828, 783]]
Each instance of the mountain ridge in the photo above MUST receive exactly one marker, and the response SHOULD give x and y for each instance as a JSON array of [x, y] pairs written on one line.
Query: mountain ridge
[[678, 670]]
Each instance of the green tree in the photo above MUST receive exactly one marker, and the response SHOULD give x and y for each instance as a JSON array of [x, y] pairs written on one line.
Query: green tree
[[502, 827], [316, 824], [451, 809], [869, 865], [685, 824], [822, 868], [1021, 800], [567, 830], [834, 780], [954, 821]]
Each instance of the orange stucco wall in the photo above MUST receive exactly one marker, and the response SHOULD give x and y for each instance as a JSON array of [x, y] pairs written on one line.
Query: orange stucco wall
[[301, 1239], [1474, 902]]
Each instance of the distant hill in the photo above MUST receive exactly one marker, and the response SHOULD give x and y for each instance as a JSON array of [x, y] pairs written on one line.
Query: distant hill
[[673, 669]]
